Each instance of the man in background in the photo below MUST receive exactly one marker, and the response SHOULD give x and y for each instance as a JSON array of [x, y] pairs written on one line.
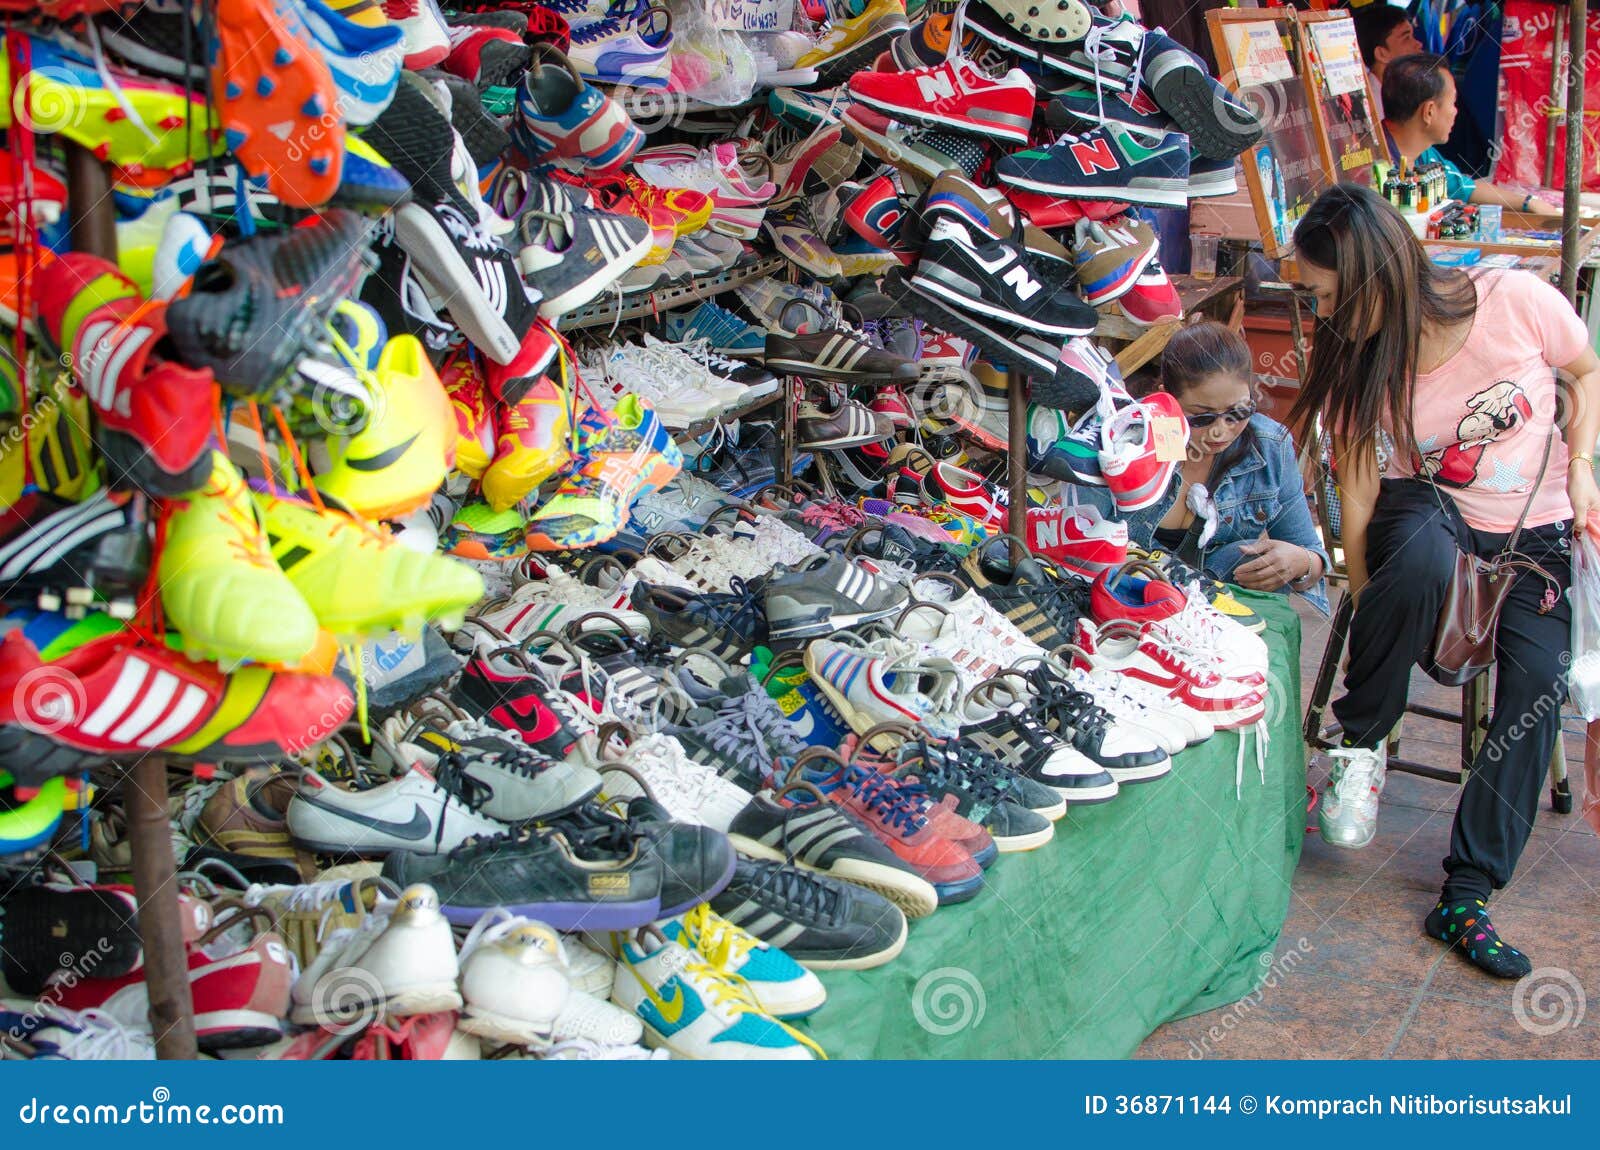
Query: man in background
[[1385, 34]]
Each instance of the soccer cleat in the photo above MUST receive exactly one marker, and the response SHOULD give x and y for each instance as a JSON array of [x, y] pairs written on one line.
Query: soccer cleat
[[695, 1010], [358, 582], [1079, 110], [627, 456], [853, 43], [364, 60], [278, 103], [93, 314], [74, 554], [1135, 476], [119, 696], [395, 461], [1106, 163], [954, 95], [473, 408], [219, 585], [780, 985], [531, 439], [560, 116]]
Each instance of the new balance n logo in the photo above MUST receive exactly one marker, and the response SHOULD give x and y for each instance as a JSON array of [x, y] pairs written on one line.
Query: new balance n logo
[[1021, 282], [1093, 156], [937, 86]]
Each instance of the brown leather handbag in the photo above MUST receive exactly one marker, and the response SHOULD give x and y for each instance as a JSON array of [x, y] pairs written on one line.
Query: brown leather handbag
[[1463, 644]]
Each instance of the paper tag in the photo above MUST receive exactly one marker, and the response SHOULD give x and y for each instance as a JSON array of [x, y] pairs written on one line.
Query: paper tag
[[1172, 445]]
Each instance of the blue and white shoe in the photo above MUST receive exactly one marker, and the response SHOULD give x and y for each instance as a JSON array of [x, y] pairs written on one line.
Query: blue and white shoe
[[693, 1009], [725, 332], [633, 51], [561, 116], [782, 987], [365, 62], [58, 1034], [801, 109]]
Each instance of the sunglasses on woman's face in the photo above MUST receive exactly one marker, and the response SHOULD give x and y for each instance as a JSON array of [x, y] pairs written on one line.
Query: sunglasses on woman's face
[[1233, 415]]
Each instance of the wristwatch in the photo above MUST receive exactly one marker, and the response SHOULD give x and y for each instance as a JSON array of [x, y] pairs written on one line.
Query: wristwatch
[[1311, 577], [1527, 201]]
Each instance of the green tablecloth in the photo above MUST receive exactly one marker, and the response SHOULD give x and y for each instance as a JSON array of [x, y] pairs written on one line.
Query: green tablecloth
[[1158, 905]]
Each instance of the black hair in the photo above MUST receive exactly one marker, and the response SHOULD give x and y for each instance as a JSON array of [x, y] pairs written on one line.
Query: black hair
[[1200, 350], [1410, 82], [1374, 23]]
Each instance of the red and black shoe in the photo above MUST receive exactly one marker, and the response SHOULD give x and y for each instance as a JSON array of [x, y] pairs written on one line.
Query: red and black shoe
[[502, 690]]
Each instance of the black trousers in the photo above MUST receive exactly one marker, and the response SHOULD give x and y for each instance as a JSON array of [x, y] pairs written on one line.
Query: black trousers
[[1411, 547]]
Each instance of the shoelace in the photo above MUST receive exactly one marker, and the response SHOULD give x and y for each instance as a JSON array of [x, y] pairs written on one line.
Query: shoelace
[[741, 609], [98, 1036], [1192, 654], [660, 759], [799, 893], [463, 790], [893, 803], [941, 772], [717, 940]]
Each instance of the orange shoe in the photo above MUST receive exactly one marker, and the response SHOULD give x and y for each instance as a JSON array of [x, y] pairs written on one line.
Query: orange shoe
[[277, 99], [474, 411], [530, 445], [690, 209]]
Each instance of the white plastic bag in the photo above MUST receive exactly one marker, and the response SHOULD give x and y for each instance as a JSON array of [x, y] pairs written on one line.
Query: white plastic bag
[[1583, 675]]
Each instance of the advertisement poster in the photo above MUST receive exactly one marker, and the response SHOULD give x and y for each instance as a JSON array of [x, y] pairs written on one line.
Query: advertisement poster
[[1334, 44], [1256, 51], [1528, 53], [1342, 102]]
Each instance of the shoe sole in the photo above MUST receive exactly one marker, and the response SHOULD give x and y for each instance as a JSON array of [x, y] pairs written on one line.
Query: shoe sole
[[1135, 775], [863, 961], [570, 916], [1069, 22], [1015, 844], [912, 893], [996, 132], [265, 75], [1186, 94], [86, 931], [425, 241], [1084, 796], [234, 1029], [951, 893], [784, 366], [554, 307], [503, 1028]]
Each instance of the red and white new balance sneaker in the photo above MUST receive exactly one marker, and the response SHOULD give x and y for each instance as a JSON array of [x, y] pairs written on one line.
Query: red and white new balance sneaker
[[954, 94], [1043, 211], [969, 493], [1136, 478], [1080, 539], [889, 402], [1148, 654], [1152, 299]]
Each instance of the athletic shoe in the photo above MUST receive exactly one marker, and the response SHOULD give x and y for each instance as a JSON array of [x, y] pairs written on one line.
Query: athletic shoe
[[971, 270], [1083, 371], [400, 455], [355, 578], [849, 425], [1078, 538], [523, 781], [477, 279], [1080, 110], [1209, 177], [247, 817], [1015, 736], [364, 61], [77, 553], [808, 110], [219, 585], [983, 797], [1216, 593], [398, 670], [59, 1033], [560, 116], [56, 925], [531, 445], [968, 493], [1152, 655], [572, 258], [415, 812], [633, 456], [1059, 448], [955, 95], [693, 1009], [874, 214], [724, 332], [821, 923], [1135, 476], [473, 408], [1107, 163], [828, 593], [504, 688], [1064, 21], [1110, 260], [1153, 299], [1107, 55], [738, 205], [853, 43], [83, 699], [1347, 816], [1128, 753], [902, 688], [426, 36], [264, 72], [842, 354], [780, 986], [689, 791], [484, 54], [633, 50], [795, 234], [94, 314], [553, 604], [1219, 125], [1042, 608], [479, 533], [729, 626]]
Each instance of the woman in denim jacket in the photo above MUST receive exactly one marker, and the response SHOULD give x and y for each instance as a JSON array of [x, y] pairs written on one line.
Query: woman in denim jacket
[[1237, 508]]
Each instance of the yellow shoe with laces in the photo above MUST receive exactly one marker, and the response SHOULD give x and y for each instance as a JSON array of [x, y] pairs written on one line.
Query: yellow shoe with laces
[[782, 987]]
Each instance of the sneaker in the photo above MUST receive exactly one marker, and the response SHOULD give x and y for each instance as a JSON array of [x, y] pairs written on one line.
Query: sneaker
[[1064, 21], [724, 332], [1061, 448], [828, 593], [694, 1009], [1153, 298], [1150, 655], [796, 235], [1216, 593], [561, 117], [572, 258], [416, 812], [74, 1035], [690, 792], [1135, 476], [364, 60], [1128, 754], [1212, 177], [522, 782], [1079, 538], [513, 980], [821, 923], [571, 876], [531, 443], [980, 796], [854, 43], [728, 626], [28, 824], [841, 354], [955, 94], [1110, 260], [1015, 736], [1219, 125], [553, 604], [808, 110], [426, 36], [247, 816], [1083, 373], [850, 424], [971, 270], [633, 50], [1079, 110], [78, 554], [1347, 816], [968, 493], [903, 687], [93, 930], [1042, 608], [1107, 163], [780, 985]]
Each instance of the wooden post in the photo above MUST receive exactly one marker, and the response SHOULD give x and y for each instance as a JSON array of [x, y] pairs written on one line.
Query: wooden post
[[1017, 454], [1572, 189], [94, 224]]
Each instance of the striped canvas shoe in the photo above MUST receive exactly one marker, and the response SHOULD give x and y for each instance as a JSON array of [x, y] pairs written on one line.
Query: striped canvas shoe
[[850, 424], [821, 923], [819, 837], [838, 354]]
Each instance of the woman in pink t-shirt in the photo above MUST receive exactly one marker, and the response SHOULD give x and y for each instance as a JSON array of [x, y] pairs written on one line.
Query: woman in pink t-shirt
[[1488, 397]]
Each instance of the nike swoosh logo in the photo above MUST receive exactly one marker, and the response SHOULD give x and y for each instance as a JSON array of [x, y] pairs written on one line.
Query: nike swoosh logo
[[530, 708], [671, 1009], [416, 830], [383, 459]]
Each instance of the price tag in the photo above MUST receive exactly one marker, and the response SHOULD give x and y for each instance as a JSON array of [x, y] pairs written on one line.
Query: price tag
[[1172, 445]]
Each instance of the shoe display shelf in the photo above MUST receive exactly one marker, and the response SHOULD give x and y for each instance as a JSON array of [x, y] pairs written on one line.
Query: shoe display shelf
[[609, 310]]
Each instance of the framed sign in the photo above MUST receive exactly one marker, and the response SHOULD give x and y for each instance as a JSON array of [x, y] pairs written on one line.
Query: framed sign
[[1259, 52], [1340, 99]]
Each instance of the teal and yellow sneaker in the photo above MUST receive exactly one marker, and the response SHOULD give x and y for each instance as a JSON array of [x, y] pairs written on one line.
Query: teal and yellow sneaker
[[27, 824], [782, 987]]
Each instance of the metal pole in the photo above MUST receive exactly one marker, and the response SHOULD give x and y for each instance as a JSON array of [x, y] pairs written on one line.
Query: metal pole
[[1572, 189]]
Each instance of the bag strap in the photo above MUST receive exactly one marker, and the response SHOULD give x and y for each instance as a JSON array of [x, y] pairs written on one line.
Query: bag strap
[[1544, 465]]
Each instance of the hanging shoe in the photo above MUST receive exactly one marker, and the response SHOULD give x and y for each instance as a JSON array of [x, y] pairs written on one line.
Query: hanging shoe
[[531, 440]]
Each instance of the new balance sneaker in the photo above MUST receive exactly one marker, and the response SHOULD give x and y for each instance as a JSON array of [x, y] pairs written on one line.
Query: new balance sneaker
[[1106, 163], [851, 44], [828, 593], [821, 923], [1219, 125], [1079, 110], [1110, 260], [780, 985], [971, 270], [956, 95], [694, 1009], [1078, 538], [1153, 298], [1135, 476]]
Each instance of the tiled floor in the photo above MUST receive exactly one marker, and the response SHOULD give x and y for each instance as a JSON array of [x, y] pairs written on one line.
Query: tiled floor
[[1356, 978]]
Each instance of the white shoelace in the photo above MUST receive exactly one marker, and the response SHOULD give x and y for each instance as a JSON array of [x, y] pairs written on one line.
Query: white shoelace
[[1263, 741], [99, 1037]]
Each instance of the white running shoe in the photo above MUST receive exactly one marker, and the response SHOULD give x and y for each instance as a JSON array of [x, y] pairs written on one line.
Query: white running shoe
[[692, 792], [415, 812], [513, 980], [1347, 816]]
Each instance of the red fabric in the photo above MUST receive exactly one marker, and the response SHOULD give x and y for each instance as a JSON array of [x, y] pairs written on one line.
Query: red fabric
[[1528, 52]]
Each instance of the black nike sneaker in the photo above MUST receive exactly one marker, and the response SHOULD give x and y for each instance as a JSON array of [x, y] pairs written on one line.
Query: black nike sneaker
[[74, 555], [819, 922], [503, 689], [263, 304]]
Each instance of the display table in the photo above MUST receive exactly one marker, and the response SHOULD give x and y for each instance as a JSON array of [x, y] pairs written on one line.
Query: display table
[[1160, 904]]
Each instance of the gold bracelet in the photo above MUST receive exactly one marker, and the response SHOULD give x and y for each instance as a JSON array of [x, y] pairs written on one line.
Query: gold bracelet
[[1589, 459]]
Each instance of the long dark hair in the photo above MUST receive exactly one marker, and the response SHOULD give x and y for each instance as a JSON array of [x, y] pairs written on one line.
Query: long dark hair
[[1206, 349], [1364, 357]]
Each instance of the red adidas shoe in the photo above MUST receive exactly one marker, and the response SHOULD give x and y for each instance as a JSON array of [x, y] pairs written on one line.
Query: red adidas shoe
[[1079, 539], [952, 94], [95, 314]]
